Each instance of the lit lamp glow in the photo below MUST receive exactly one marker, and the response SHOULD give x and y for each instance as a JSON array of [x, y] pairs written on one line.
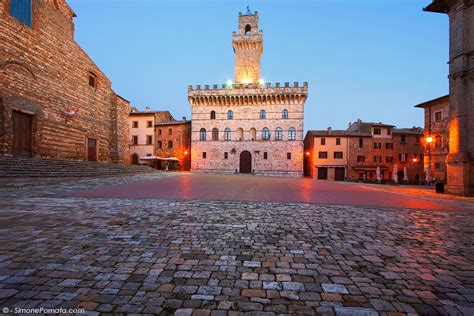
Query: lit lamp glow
[[185, 152], [229, 83], [261, 81], [429, 139], [415, 160], [307, 153]]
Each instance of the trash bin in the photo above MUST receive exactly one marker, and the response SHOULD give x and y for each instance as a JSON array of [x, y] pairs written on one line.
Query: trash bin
[[440, 187]]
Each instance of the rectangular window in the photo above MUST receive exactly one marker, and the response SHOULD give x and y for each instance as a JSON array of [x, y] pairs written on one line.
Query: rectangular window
[[438, 142], [288, 156], [204, 155], [377, 131], [377, 158], [388, 145], [418, 139], [377, 145], [406, 157], [389, 131], [360, 158], [437, 165], [403, 139], [323, 141], [338, 155], [149, 139], [265, 155], [135, 140], [21, 10], [149, 123], [361, 143], [135, 124], [226, 155], [438, 116], [388, 159], [92, 80], [170, 131], [400, 157], [338, 141], [159, 131], [323, 155]]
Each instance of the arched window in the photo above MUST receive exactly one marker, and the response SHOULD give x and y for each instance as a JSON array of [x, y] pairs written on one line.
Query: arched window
[[170, 144], [292, 134], [284, 114], [265, 133], [248, 28], [213, 115], [202, 134], [160, 144], [227, 134], [215, 134], [230, 115], [240, 134], [278, 133], [252, 134], [263, 114]]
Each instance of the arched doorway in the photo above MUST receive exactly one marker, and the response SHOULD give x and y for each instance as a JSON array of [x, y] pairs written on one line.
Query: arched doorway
[[134, 159], [245, 162]]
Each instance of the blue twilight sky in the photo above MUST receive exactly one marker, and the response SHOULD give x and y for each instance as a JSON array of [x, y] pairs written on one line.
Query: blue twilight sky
[[368, 59]]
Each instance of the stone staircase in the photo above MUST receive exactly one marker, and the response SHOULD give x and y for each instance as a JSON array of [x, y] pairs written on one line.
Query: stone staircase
[[27, 167]]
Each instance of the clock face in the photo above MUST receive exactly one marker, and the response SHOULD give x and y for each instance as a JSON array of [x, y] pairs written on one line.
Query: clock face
[[247, 75]]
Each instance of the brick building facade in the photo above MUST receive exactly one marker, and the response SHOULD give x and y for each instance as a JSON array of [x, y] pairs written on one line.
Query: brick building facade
[[248, 126], [460, 160], [54, 101], [355, 153], [437, 127], [173, 140]]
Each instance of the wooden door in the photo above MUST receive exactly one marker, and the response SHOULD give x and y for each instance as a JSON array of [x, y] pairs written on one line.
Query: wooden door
[[22, 133], [339, 174], [245, 162], [322, 173], [91, 149], [134, 159]]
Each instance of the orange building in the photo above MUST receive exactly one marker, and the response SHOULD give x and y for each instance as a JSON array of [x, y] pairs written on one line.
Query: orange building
[[173, 144]]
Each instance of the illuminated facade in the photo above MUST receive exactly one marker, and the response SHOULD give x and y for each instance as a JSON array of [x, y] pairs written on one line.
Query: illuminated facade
[[460, 161], [248, 126]]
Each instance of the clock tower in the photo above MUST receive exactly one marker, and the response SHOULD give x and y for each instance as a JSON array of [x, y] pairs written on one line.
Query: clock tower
[[248, 49]]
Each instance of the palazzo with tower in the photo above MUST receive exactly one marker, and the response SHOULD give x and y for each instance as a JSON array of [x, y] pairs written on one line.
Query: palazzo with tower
[[248, 126]]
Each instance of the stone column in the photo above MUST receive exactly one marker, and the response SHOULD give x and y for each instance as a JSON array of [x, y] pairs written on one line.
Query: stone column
[[460, 161]]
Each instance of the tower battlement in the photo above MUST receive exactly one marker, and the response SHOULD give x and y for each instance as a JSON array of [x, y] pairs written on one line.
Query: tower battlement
[[244, 88]]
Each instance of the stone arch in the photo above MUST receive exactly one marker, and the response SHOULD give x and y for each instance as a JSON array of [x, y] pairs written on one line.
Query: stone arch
[[252, 134], [248, 29], [240, 134], [18, 67]]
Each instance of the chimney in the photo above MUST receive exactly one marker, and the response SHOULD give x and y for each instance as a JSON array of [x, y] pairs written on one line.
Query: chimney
[[359, 121], [184, 119], [329, 130], [147, 109], [350, 123]]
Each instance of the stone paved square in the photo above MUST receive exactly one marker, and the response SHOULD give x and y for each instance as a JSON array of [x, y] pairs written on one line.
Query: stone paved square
[[202, 257]]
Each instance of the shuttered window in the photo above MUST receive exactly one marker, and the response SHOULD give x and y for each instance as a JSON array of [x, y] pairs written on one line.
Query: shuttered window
[[21, 10]]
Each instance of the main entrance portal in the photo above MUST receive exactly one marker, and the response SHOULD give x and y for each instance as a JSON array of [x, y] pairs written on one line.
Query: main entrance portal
[[245, 162]]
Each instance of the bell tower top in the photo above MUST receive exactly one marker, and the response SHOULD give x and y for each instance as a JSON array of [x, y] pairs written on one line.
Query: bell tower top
[[248, 48]]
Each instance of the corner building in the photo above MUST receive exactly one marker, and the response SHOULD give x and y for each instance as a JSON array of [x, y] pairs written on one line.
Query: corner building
[[247, 126]]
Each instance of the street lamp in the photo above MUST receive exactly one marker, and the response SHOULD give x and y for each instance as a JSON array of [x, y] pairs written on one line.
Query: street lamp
[[429, 140]]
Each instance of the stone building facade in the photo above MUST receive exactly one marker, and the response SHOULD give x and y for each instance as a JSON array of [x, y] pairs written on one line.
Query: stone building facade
[[247, 126], [355, 153], [173, 140], [460, 160], [54, 101], [437, 127]]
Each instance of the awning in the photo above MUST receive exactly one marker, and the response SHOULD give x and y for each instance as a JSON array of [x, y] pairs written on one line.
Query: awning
[[159, 158], [368, 168]]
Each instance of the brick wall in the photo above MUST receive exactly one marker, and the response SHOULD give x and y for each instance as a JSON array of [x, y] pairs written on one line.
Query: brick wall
[[45, 72]]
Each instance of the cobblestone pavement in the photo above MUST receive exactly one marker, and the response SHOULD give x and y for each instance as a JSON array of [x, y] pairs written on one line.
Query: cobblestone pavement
[[217, 257]]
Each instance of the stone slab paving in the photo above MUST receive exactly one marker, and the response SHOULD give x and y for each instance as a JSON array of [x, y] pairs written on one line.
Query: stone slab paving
[[124, 256]]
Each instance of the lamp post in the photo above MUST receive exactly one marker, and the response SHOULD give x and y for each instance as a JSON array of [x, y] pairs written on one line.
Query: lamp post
[[429, 140]]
